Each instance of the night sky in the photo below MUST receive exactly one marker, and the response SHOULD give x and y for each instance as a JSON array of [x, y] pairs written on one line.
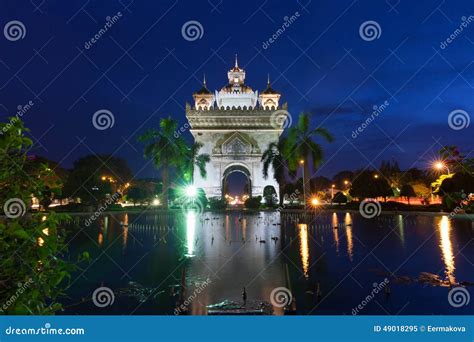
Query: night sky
[[143, 69]]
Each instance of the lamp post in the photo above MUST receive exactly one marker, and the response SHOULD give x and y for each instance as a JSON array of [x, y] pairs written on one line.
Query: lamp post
[[304, 185]]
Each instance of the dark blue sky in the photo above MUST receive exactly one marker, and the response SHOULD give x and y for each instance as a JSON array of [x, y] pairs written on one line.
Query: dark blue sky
[[143, 69]]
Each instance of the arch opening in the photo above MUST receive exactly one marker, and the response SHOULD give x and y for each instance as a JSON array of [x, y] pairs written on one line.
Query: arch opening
[[236, 184]]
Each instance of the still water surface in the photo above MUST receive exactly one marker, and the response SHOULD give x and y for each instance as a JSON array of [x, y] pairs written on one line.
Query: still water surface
[[144, 258]]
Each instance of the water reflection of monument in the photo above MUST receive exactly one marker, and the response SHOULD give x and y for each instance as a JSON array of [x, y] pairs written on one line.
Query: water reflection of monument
[[229, 253]]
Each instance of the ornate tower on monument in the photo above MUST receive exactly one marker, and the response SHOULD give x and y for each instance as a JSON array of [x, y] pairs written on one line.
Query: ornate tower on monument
[[235, 125]]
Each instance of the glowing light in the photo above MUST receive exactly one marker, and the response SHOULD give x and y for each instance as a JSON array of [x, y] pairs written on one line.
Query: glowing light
[[125, 230], [346, 182], [350, 243], [40, 240], [304, 248], [190, 232], [376, 176], [315, 202], [191, 191], [446, 246], [335, 223], [103, 178], [439, 165], [301, 161], [333, 186], [156, 201]]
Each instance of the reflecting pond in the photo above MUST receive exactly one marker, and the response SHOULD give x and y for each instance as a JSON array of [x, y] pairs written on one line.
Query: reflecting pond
[[331, 261]]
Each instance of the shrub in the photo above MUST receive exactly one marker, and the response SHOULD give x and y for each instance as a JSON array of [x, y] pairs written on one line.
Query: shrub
[[217, 203], [253, 202], [339, 198]]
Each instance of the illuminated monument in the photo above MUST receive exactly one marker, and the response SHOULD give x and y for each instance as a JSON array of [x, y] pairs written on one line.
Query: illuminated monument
[[235, 126]]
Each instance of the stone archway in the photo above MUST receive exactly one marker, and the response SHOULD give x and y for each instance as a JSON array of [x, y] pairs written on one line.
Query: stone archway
[[236, 168], [234, 126]]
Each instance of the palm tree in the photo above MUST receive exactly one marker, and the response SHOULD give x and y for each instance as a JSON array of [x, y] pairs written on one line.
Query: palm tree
[[165, 150], [272, 157], [194, 159], [301, 149]]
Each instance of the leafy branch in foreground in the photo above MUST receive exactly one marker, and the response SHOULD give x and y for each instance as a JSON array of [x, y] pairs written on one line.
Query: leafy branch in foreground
[[33, 271]]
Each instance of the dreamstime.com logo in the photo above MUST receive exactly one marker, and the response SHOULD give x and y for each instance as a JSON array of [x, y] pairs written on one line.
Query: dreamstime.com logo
[[185, 305], [21, 110], [281, 297], [377, 288], [459, 119], [110, 200], [192, 30], [103, 296], [281, 119], [21, 289], [458, 296], [370, 30], [377, 110], [110, 21], [287, 22], [369, 208], [14, 208], [465, 22], [46, 330], [14, 30], [103, 119]]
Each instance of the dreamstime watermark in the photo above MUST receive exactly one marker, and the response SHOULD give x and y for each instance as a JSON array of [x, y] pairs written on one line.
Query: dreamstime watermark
[[181, 130], [21, 289], [194, 204], [458, 296], [457, 32], [377, 110], [192, 30], [103, 296], [370, 30], [14, 208], [109, 200], [369, 208], [111, 20], [288, 21], [21, 110], [14, 30], [103, 119], [295, 195], [183, 307], [464, 203], [281, 119], [281, 297], [46, 330], [377, 288], [459, 119]]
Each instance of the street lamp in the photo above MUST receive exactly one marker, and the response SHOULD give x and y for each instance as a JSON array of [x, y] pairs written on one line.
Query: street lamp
[[304, 185], [440, 165], [376, 176], [191, 191], [314, 202]]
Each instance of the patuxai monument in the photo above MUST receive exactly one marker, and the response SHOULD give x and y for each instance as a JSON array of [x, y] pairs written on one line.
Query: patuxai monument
[[235, 125]]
